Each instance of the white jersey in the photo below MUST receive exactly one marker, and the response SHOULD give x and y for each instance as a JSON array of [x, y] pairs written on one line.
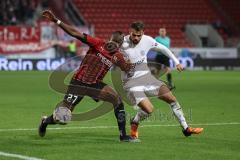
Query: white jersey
[[137, 54]]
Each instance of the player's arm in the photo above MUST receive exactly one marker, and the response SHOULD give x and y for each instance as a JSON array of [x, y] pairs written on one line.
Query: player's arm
[[123, 64], [161, 48], [67, 28]]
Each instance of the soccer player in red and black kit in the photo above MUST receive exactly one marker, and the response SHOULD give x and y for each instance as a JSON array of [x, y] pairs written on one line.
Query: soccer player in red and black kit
[[98, 60]]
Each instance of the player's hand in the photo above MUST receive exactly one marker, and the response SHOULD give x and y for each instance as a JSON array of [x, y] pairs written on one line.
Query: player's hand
[[49, 15], [179, 67]]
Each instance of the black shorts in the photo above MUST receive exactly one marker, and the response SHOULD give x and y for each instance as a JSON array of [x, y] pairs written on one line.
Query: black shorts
[[162, 59], [77, 90]]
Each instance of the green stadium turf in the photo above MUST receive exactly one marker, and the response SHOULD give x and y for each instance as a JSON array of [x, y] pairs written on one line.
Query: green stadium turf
[[210, 99]]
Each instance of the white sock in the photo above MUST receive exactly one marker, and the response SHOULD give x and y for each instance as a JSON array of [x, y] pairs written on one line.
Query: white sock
[[140, 116], [177, 111]]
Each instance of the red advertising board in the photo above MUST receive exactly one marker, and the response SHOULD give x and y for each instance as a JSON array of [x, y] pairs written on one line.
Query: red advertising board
[[31, 47], [24, 39], [15, 34]]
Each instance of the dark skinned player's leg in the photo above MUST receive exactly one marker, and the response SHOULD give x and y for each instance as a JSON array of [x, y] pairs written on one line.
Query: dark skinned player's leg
[[69, 101], [109, 95], [102, 91], [65, 103], [50, 120]]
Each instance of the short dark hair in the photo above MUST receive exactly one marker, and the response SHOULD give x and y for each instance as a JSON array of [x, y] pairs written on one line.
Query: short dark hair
[[138, 25], [118, 36]]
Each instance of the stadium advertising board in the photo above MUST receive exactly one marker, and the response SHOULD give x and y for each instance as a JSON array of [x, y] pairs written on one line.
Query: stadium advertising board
[[14, 48], [10, 34], [48, 64], [18, 39], [194, 58], [215, 53], [30, 64]]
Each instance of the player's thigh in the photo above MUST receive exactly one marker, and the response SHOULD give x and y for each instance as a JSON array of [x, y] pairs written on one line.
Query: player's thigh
[[157, 88], [166, 95], [73, 95], [108, 94], [153, 86]]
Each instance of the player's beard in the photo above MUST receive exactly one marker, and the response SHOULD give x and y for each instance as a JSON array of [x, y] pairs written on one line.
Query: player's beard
[[111, 46], [134, 41]]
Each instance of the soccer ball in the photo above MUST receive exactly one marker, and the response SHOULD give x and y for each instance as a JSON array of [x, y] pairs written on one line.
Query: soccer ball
[[62, 115]]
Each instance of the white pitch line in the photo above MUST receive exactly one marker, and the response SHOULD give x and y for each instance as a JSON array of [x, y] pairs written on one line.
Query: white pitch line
[[106, 127], [18, 156], [197, 124]]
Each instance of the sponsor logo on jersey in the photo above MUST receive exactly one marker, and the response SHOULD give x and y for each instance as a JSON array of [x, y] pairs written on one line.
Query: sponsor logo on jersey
[[138, 62], [105, 60]]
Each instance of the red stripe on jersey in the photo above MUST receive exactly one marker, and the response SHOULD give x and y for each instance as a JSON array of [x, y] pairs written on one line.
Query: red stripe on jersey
[[97, 62]]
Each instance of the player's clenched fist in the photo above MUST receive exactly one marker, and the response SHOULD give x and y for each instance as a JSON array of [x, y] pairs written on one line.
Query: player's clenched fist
[[179, 67], [49, 15]]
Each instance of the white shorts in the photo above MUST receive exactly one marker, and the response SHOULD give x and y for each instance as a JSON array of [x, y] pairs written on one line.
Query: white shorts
[[142, 87]]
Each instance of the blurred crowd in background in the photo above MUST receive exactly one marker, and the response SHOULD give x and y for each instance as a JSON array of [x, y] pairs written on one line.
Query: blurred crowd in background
[[14, 12]]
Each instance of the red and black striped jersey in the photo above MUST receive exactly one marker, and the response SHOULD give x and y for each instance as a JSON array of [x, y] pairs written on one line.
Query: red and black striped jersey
[[98, 61]]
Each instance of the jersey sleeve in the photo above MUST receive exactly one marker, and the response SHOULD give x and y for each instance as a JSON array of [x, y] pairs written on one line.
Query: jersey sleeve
[[120, 61], [161, 48], [91, 41]]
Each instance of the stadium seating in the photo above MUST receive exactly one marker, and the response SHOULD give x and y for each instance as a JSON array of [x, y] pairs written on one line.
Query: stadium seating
[[232, 8], [109, 15]]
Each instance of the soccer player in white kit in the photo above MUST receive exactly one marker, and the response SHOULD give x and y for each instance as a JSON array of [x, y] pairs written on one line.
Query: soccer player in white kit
[[140, 84]]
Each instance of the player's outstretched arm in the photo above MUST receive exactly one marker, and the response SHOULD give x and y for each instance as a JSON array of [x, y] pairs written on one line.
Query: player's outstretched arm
[[159, 47], [179, 67], [67, 28]]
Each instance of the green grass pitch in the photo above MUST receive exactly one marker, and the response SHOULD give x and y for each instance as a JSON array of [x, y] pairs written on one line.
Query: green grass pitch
[[210, 99]]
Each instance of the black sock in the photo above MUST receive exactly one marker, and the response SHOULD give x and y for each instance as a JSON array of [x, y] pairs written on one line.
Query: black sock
[[50, 120], [169, 78], [121, 118]]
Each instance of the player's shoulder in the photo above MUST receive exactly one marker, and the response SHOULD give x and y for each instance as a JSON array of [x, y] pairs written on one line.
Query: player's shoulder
[[126, 39], [147, 38], [158, 38], [126, 43], [100, 40], [168, 38], [94, 39]]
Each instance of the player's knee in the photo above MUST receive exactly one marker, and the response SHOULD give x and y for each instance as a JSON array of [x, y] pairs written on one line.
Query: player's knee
[[150, 110], [171, 99], [115, 100]]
